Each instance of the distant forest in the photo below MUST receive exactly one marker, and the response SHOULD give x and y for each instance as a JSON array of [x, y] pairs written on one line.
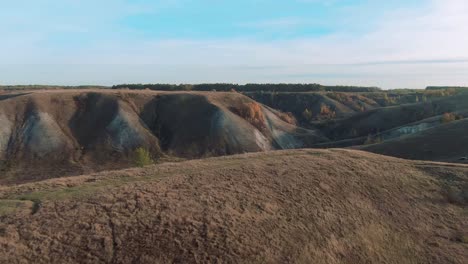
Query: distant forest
[[49, 87], [247, 87], [446, 87], [226, 87]]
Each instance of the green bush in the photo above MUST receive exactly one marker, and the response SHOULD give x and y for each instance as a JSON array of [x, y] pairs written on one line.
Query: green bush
[[307, 115], [142, 157]]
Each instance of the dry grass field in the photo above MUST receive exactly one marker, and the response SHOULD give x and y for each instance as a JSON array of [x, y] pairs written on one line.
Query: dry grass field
[[301, 206]]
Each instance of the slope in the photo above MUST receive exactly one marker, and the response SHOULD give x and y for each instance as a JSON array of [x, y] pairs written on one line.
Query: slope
[[382, 119], [67, 132], [447, 142], [302, 206]]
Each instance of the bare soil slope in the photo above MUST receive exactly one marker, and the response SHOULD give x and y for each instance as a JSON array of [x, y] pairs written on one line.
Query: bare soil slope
[[65, 132], [302, 206]]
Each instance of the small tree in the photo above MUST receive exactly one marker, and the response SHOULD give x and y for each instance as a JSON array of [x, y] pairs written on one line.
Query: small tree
[[327, 112], [386, 99], [307, 115], [142, 157]]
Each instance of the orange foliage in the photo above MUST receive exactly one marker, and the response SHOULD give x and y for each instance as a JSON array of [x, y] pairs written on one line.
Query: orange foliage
[[326, 112], [252, 112], [450, 117]]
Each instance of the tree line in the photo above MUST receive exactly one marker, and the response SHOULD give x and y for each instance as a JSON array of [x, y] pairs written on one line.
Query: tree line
[[436, 88], [225, 87]]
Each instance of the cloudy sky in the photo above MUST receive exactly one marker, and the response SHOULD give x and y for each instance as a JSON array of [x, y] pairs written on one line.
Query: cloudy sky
[[390, 44]]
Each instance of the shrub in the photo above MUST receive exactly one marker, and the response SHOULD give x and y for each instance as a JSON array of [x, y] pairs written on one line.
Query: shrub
[[326, 112], [142, 157], [287, 117], [252, 112], [307, 115], [450, 117]]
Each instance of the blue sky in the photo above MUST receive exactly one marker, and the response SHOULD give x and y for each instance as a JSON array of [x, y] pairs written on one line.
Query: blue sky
[[398, 43]]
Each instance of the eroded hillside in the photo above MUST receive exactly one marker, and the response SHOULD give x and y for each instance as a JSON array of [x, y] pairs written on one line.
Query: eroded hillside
[[303, 206], [50, 133], [56, 132], [310, 107]]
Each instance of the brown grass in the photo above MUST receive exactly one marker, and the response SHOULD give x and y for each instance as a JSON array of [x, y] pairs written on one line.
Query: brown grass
[[304, 206]]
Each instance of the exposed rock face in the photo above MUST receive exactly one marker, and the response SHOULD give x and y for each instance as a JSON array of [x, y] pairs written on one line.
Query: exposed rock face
[[41, 136], [6, 127]]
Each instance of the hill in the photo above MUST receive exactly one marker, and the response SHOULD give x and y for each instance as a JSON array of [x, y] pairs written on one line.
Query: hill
[[48, 133], [329, 106], [302, 206], [55, 132], [447, 142], [387, 118]]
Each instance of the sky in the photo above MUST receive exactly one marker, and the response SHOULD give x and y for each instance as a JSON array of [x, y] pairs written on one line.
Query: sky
[[389, 44]]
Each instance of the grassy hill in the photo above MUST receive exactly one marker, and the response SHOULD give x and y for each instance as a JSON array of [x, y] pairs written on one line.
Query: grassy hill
[[303, 206]]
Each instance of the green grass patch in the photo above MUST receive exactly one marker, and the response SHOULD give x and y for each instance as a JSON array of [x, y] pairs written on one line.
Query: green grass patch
[[315, 153], [142, 157], [90, 189], [34, 200], [10, 206], [75, 192]]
